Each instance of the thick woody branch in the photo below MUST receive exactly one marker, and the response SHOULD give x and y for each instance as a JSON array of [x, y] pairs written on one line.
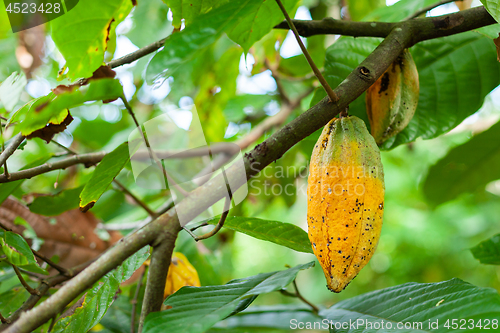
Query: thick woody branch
[[165, 228], [155, 285], [425, 28]]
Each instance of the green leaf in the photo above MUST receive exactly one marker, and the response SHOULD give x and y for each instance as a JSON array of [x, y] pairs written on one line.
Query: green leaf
[[53, 205], [101, 296], [488, 252], [245, 21], [18, 252], [195, 309], [53, 108], [285, 234], [11, 89], [455, 74], [252, 27], [360, 8], [417, 304], [240, 106], [12, 300], [180, 48], [7, 189], [398, 11], [493, 7], [95, 20], [103, 175], [258, 318], [189, 10], [465, 168]]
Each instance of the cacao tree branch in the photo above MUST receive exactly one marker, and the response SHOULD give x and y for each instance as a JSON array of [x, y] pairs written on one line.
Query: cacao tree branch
[[157, 276], [11, 148], [425, 28], [165, 228], [86, 159]]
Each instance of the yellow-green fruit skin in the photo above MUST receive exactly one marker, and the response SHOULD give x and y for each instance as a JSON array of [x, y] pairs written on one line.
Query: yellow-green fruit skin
[[345, 197], [392, 100]]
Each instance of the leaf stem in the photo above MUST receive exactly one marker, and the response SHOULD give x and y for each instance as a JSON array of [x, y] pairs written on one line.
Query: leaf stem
[[331, 94]]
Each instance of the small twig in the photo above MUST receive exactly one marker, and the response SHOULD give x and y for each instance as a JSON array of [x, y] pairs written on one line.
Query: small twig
[[3, 320], [329, 91], [11, 148], [277, 78], [69, 150], [204, 224], [52, 323], [52, 264], [426, 9], [24, 283], [299, 296], [227, 205], [134, 301], [131, 57], [136, 199]]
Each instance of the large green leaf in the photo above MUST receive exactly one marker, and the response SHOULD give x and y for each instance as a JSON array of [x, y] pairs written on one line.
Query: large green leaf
[[82, 34], [53, 205], [258, 23], [285, 234], [493, 7], [103, 175], [455, 75], [101, 296], [53, 108], [488, 252], [245, 22], [18, 252], [466, 168], [189, 10], [258, 318], [195, 309], [452, 302]]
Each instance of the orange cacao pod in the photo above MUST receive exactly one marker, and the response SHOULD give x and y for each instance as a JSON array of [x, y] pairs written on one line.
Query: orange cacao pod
[[345, 197]]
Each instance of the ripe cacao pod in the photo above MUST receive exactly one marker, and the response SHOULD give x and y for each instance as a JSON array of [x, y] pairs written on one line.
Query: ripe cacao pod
[[392, 100], [180, 273], [345, 196]]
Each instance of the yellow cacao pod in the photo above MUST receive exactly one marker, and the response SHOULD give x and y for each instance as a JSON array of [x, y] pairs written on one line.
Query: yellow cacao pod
[[180, 273], [392, 100], [345, 200]]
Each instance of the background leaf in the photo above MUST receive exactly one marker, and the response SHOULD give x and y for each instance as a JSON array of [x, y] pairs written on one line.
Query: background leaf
[[195, 309], [285, 234], [418, 303], [465, 168], [18, 252], [11, 89], [52, 205], [488, 252]]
